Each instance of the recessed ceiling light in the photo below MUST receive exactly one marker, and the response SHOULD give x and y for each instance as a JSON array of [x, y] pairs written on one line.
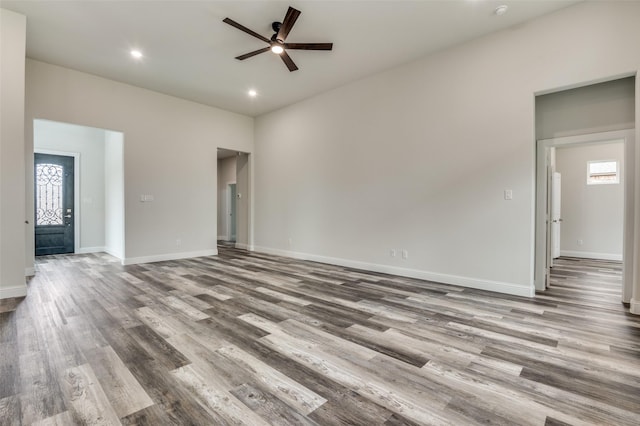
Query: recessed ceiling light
[[253, 93], [136, 54], [501, 10]]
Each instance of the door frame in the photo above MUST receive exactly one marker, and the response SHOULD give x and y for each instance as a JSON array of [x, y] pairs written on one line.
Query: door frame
[[76, 190], [244, 210], [542, 164], [228, 213], [556, 198]]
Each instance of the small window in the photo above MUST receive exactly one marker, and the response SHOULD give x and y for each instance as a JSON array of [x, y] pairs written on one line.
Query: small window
[[602, 172]]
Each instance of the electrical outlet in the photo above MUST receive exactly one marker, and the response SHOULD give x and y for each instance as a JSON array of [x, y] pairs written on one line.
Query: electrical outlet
[[405, 254], [178, 242], [580, 242], [392, 253], [508, 194]]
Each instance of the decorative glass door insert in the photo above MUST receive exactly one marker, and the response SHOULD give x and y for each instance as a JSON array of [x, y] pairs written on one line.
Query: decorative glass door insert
[[49, 193]]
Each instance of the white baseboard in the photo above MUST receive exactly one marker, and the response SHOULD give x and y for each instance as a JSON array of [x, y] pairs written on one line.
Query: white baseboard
[[86, 250], [496, 286], [9, 292], [114, 253], [169, 256], [29, 271], [634, 306], [591, 255], [243, 246]]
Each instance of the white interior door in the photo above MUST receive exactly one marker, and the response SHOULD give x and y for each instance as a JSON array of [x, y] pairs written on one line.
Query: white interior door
[[556, 220]]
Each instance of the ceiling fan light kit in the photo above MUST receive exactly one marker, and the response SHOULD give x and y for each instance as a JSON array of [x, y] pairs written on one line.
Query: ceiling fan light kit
[[277, 42]]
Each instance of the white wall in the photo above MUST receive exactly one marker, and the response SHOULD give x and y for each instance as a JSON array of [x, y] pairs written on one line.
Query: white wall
[[113, 194], [170, 148], [226, 175], [418, 157], [89, 143], [592, 214], [12, 155]]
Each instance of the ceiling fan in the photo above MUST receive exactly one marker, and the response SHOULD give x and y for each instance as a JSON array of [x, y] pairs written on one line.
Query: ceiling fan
[[277, 42]]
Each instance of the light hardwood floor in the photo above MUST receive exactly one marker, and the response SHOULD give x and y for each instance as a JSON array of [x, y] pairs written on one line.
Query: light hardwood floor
[[247, 338]]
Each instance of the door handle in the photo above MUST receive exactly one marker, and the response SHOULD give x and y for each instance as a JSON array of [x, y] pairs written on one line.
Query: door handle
[[67, 215]]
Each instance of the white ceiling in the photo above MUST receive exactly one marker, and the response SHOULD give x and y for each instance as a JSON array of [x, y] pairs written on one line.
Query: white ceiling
[[189, 52]]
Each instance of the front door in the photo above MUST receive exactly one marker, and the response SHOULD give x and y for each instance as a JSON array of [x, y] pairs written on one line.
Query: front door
[[54, 209]]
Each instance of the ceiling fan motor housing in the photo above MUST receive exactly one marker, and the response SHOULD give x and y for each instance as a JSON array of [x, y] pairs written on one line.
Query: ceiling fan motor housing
[[276, 28]]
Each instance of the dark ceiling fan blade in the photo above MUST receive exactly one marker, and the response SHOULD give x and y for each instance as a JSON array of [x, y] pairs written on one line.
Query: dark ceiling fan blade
[[289, 19], [245, 29], [254, 53], [288, 61], [309, 46]]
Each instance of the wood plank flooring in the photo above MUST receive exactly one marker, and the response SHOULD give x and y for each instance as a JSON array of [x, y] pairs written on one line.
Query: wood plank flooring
[[247, 338]]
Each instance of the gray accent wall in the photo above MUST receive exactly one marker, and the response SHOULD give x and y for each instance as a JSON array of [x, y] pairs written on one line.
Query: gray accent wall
[[594, 108]]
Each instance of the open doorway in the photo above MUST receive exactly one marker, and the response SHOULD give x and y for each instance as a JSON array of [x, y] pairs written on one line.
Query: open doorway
[[233, 198], [227, 164], [593, 121], [603, 231], [94, 207]]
